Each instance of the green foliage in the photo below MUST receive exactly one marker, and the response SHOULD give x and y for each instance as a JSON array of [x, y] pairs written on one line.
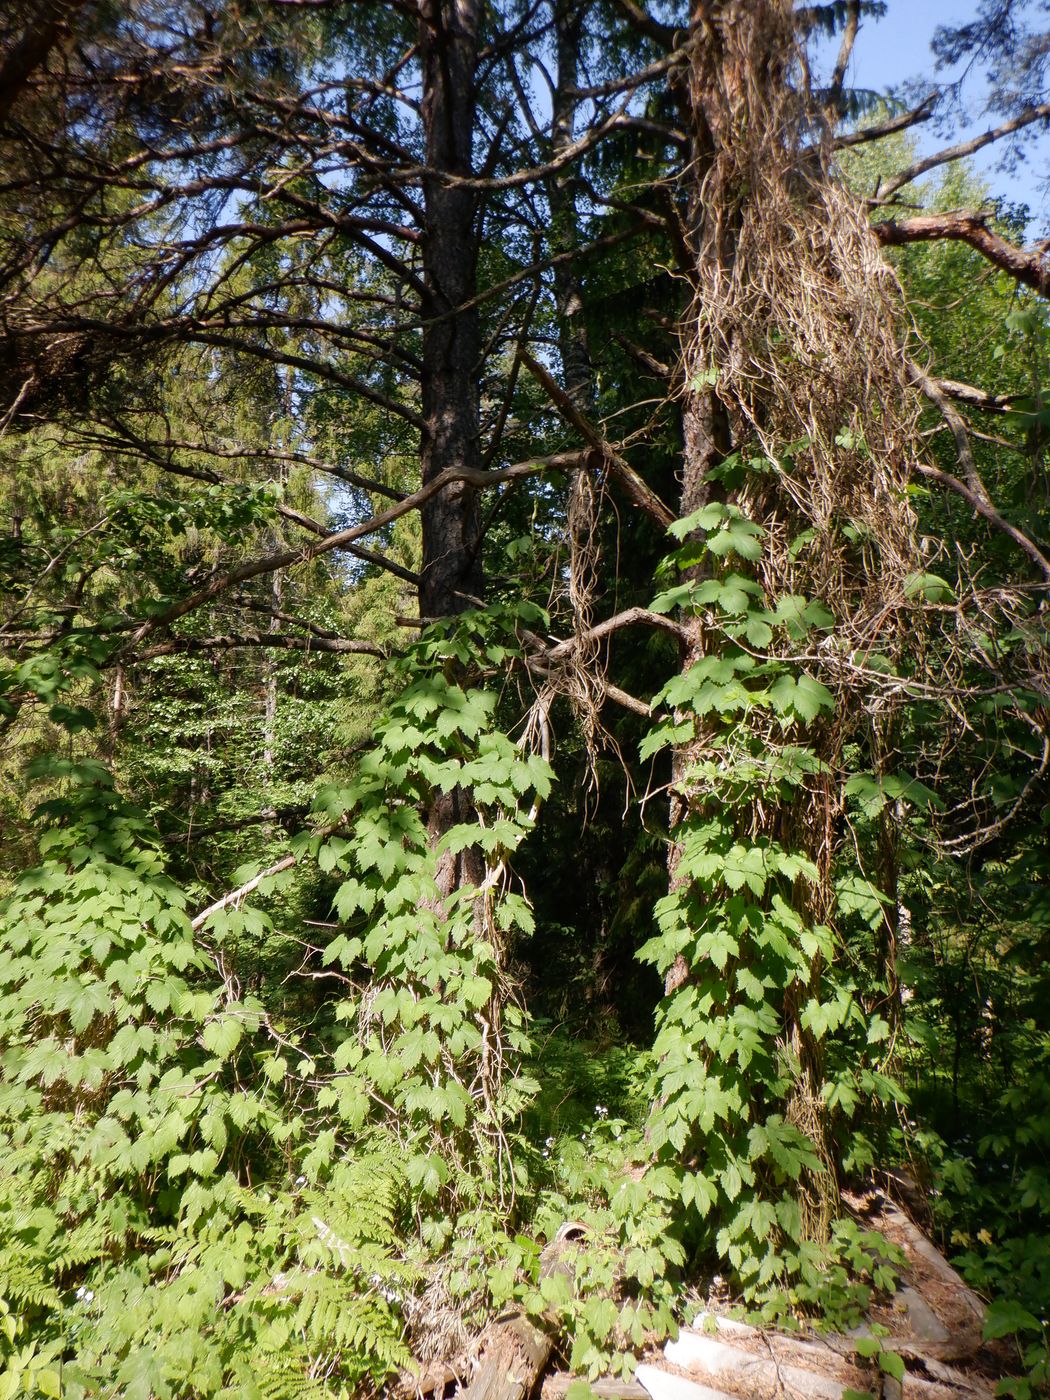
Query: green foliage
[[614, 1288], [138, 1246], [426, 921], [244, 1158], [762, 981]]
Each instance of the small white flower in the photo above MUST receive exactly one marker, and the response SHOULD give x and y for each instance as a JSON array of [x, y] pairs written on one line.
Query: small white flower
[[300, 1181], [549, 1142], [601, 1111]]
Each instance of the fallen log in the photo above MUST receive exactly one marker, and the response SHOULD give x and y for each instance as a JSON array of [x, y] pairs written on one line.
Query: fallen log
[[943, 1319], [754, 1365], [934, 1319], [761, 1374], [556, 1386], [515, 1350], [664, 1385], [513, 1355]]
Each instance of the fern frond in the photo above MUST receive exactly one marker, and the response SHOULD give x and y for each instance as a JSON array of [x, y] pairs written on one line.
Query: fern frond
[[286, 1383], [22, 1282]]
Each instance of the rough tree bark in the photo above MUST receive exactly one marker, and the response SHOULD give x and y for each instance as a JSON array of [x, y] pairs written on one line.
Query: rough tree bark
[[737, 92], [573, 348], [451, 352], [706, 434], [452, 578]]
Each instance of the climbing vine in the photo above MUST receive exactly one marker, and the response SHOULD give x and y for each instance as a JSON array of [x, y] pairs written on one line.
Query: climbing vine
[[766, 1001]]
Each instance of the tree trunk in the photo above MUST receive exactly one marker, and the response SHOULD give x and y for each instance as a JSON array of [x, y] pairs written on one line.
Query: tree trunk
[[586, 688], [452, 578], [451, 353], [514, 1355], [573, 348], [706, 434], [739, 71]]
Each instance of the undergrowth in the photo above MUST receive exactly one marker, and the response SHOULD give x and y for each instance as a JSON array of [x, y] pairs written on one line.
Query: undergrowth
[[211, 1192]]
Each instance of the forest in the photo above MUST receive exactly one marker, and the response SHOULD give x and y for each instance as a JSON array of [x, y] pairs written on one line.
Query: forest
[[524, 700]]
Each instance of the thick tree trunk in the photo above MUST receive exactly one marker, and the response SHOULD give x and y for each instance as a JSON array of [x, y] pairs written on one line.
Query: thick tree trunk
[[733, 90], [573, 348], [706, 435], [450, 521], [452, 579], [706, 441]]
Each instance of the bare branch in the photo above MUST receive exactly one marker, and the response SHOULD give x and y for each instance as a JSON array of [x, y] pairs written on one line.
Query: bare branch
[[235, 897], [632, 485], [275, 641], [849, 38], [630, 617], [608, 240], [1027, 265], [957, 426], [901, 122], [885, 190], [619, 121], [984, 507], [973, 397], [255, 454], [368, 556], [286, 558], [971, 487], [628, 702], [632, 80], [160, 453], [274, 815], [643, 357], [662, 34]]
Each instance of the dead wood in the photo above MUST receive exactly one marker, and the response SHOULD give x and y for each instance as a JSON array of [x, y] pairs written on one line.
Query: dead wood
[[556, 1385], [755, 1365], [514, 1351], [934, 1322], [935, 1314]]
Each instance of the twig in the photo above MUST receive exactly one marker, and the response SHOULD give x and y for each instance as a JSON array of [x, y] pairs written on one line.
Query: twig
[[887, 128], [957, 426], [234, 897], [282, 559], [636, 490], [984, 507]]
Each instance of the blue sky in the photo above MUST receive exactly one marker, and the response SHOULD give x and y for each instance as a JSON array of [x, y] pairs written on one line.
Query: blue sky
[[895, 49]]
